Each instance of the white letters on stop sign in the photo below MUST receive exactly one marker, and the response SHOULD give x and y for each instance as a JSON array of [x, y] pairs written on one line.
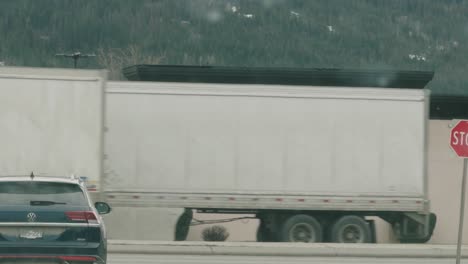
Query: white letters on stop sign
[[460, 138]]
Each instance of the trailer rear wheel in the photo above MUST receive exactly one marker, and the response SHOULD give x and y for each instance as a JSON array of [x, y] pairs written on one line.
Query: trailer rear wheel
[[351, 229], [301, 228]]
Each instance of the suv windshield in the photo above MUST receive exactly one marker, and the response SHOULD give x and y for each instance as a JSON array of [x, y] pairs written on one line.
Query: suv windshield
[[41, 193]]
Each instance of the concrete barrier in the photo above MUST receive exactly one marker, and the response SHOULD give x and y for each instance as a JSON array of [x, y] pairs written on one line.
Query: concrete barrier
[[286, 249]]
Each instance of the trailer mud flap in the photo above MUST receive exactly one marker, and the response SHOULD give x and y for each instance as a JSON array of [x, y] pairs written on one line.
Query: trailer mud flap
[[408, 230]]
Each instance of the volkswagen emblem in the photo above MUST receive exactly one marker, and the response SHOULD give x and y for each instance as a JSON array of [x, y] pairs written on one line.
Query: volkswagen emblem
[[31, 217]]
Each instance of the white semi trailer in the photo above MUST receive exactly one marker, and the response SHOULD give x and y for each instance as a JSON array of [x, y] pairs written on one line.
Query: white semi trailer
[[311, 162], [51, 123]]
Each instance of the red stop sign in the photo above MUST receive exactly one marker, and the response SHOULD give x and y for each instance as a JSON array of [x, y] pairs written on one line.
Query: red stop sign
[[459, 138]]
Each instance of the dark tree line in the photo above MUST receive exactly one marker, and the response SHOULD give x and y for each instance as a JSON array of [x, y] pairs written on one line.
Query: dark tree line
[[397, 34]]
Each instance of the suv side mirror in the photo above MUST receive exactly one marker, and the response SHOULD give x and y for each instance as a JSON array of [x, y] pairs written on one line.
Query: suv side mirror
[[102, 208]]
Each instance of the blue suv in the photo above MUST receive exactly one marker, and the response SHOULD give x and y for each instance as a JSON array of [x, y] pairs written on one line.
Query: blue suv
[[50, 220]]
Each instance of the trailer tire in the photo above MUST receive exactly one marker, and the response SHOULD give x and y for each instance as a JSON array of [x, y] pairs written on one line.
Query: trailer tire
[[351, 229], [301, 228], [183, 225]]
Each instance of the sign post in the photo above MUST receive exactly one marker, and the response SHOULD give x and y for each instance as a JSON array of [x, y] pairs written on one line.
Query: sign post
[[459, 143]]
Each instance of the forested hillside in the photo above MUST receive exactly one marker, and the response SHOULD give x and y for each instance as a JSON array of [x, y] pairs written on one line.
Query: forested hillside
[[395, 34]]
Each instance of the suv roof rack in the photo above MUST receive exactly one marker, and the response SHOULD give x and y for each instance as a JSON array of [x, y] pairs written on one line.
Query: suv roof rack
[[32, 176]]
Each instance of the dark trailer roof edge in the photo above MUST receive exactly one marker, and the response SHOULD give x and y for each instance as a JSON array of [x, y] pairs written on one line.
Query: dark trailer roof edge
[[442, 107], [285, 76]]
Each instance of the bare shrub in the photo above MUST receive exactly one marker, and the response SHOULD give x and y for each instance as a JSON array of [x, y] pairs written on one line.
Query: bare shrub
[[215, 233], [115, 59]]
